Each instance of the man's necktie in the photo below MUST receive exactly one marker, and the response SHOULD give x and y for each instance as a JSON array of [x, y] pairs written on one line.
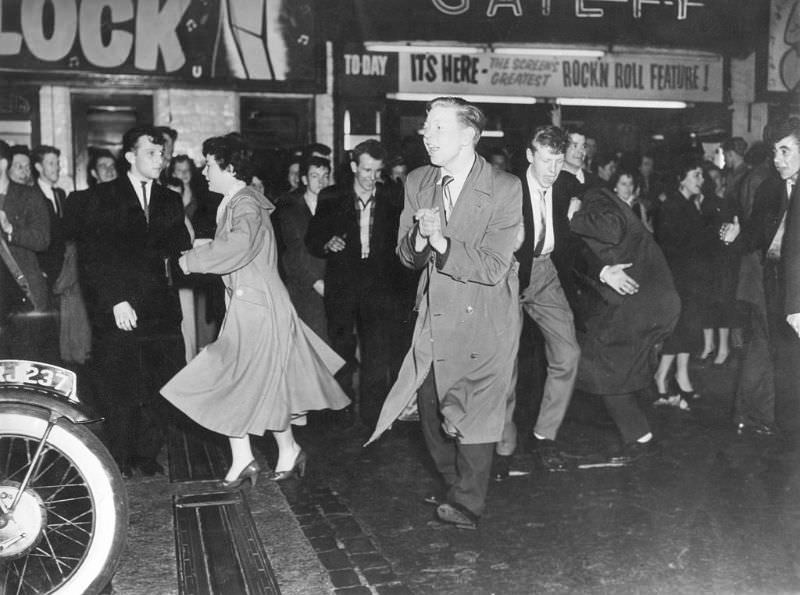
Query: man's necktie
[[448, 199], [542, 227], [144, 201], [57, 203]]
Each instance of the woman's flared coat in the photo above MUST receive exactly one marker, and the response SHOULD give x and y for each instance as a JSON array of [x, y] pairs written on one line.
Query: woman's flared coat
[[266, 366]]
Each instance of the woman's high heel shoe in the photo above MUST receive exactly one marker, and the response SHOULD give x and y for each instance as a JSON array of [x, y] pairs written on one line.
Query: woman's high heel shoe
[[297, 470], [250, 472]]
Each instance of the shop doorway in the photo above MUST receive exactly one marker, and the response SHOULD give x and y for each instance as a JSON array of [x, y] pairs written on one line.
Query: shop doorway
[[99, 120], [19, 115], [276, 129]]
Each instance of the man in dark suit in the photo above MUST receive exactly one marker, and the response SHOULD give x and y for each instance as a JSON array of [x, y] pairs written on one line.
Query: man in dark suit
[[548, 254], [25, 227], [786, 150], [132, 234], [46, 170], [304, 273], [354, 229], [543, 298]]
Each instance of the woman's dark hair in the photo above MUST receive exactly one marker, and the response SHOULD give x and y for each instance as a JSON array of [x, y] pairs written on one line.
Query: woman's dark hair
[[612, 182], [686, 163], [182, 159], [232, 150]]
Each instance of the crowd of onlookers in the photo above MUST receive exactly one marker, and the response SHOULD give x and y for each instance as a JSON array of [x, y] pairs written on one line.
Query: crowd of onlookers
[[708, 221]]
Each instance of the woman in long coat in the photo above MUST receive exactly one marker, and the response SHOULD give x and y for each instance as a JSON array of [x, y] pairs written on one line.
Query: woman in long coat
[[621, 331], [266, 369], [688, 238]]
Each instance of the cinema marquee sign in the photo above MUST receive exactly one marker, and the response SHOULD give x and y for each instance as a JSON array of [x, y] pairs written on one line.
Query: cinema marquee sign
[[204, 41], [590, 9], [616, 76]]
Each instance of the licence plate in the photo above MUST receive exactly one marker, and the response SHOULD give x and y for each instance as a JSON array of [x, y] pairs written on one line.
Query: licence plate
[[39, 375]]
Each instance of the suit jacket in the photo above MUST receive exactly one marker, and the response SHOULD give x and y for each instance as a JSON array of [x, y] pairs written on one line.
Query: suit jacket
[[469, 315], [31, 234], [337, 216], [790, 252], [52, 259], [122, 256], [565, 244], [300, 268]]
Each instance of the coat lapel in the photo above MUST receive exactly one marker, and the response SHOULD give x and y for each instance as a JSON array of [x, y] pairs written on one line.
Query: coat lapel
[[474, 194]]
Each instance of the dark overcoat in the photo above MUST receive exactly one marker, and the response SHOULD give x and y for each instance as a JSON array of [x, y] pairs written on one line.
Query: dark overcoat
[[621, 331], [301, 269], [468, 321]]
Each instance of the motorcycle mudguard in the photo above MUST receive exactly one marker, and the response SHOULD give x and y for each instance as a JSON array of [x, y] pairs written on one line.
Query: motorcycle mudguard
[[37, 400], [42, 385]]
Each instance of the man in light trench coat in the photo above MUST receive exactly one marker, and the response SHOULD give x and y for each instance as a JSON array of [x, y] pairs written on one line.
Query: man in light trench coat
[[460, 224]]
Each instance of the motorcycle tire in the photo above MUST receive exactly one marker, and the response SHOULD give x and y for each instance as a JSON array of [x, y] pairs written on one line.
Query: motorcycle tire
[[85, 528]]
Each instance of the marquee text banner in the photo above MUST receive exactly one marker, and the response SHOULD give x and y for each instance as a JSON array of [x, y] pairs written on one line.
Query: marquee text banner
[[618, 76], [257, 42]]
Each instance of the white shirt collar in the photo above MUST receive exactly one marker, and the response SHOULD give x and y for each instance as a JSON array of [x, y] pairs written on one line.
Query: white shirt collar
[[47, 188], [459, 175], [533, 184]]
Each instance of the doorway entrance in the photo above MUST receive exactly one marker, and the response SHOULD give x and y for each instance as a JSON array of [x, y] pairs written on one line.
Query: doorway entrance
[[99, 120]]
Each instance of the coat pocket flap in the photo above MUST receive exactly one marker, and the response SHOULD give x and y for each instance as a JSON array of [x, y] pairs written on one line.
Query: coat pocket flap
[[251, 295]]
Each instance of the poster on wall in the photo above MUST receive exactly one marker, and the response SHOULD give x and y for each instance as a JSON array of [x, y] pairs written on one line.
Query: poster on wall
[[617, 76], [263, 44], [783, 56]]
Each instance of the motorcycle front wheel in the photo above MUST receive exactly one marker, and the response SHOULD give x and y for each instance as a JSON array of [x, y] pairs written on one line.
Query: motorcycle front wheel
[[68, 531]]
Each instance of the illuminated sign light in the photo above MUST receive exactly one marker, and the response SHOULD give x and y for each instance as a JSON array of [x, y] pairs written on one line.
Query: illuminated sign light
[[558, 52], [641, 103], [470, 98], [416, 48]]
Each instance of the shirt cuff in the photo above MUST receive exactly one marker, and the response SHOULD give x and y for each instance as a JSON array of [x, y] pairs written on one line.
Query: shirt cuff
[[441, 259]]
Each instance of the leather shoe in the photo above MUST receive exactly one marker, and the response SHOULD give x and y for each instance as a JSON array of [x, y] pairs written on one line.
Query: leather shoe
[[755, 427], [150, 467], [433, 499], [457, 515], [547, 455], [501, 467], [633, 451]]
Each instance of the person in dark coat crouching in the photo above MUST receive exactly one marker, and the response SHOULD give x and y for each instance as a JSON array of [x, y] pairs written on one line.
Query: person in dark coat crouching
[[622, 329]]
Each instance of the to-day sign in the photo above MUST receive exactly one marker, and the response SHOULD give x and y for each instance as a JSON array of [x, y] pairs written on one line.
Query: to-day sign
[[617, 76]]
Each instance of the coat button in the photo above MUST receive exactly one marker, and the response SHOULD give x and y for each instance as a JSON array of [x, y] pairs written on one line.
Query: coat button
[[469, 309], [239, 292]]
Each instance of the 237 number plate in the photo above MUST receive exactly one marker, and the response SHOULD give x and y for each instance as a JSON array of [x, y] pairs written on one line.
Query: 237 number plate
[[39, 375]]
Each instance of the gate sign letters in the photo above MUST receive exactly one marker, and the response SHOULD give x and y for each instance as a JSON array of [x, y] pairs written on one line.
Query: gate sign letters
[[617, 76], [266, 41]]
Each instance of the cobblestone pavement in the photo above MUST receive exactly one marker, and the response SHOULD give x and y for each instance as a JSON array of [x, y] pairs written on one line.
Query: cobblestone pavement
[[715, 512]]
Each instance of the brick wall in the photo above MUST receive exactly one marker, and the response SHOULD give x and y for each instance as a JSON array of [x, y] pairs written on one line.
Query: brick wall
[[196, 115]]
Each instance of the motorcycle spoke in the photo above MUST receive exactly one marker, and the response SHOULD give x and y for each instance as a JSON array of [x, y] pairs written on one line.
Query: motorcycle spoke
[[70, 517]]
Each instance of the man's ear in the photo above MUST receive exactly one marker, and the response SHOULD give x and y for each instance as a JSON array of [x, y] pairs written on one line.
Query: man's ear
[[529, 155], [353, 166], [304, 179]]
